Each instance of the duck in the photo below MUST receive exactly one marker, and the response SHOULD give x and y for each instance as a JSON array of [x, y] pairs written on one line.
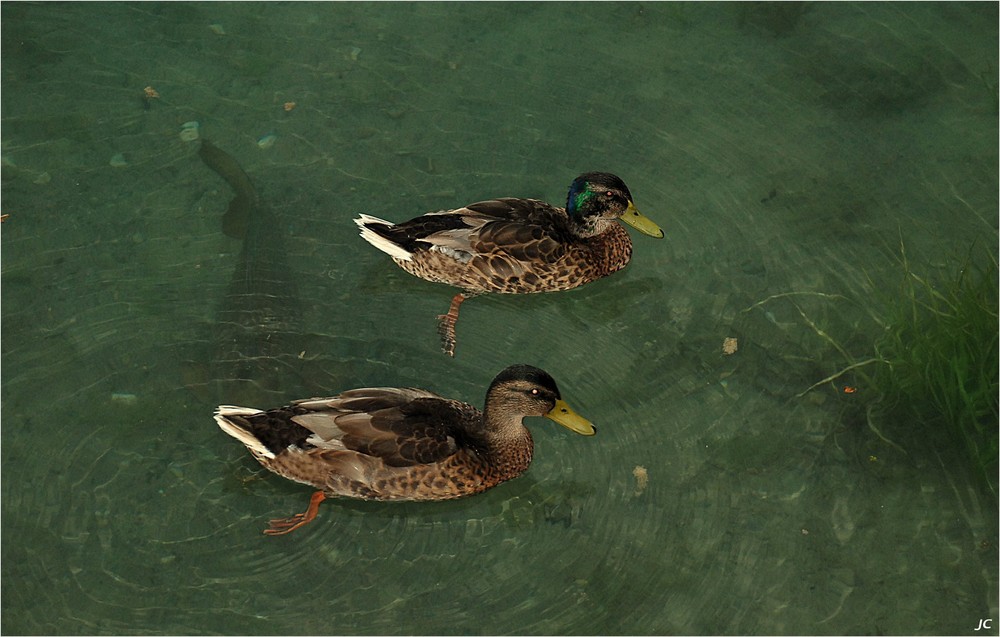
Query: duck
[[515, 246], [392, 444]]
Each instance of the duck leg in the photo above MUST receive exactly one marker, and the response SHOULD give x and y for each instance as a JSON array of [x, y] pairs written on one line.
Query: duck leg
[[280, 526], [446, 325]]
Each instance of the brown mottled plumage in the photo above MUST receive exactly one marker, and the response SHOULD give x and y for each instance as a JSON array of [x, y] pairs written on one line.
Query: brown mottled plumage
[[516, 246], [391, 443]]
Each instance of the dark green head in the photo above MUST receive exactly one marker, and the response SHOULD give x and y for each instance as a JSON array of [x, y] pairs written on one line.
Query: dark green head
[[597, 198]]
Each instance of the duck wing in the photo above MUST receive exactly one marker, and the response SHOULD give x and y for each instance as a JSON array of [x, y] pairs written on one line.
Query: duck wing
[[511, 228], [402, 427]]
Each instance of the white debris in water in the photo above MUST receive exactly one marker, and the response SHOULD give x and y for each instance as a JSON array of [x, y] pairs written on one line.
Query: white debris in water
[[124, 397], [189, 131], [267, 141]]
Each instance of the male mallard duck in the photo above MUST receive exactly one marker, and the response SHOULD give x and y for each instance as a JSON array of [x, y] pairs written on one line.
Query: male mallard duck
[[516, 246], [387, 443]]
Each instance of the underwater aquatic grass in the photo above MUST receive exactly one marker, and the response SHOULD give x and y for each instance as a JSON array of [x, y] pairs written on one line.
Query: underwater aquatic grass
[[931, 373], [938, 359]]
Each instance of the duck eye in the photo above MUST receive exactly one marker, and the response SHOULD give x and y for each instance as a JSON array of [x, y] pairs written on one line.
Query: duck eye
[[609, 194], [534, 392]]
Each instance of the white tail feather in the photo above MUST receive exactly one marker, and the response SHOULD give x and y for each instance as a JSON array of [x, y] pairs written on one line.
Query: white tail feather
[[394, 250], [221, 418]]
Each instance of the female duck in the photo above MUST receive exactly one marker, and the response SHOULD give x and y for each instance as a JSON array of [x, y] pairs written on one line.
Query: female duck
[[516, 246], [388, 443]]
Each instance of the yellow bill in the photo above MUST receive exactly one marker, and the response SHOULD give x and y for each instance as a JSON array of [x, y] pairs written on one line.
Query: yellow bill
[[641, 222], [565, 416]]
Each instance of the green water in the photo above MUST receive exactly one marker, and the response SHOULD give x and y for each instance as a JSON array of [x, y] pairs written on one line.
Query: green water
[[783, 149]]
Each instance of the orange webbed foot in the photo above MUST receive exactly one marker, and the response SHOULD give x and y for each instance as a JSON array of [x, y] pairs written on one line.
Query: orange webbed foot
[[281, 526], [446, 325]]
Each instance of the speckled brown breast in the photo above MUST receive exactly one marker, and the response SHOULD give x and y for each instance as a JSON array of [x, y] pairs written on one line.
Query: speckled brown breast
[[584, 261], [464, 473], [458, 477]]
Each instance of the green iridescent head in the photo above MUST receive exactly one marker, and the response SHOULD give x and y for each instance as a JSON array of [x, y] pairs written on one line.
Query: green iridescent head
[[602, 196]]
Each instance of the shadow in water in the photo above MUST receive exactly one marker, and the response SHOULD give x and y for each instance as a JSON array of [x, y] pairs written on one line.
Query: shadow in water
[[257, 345]]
